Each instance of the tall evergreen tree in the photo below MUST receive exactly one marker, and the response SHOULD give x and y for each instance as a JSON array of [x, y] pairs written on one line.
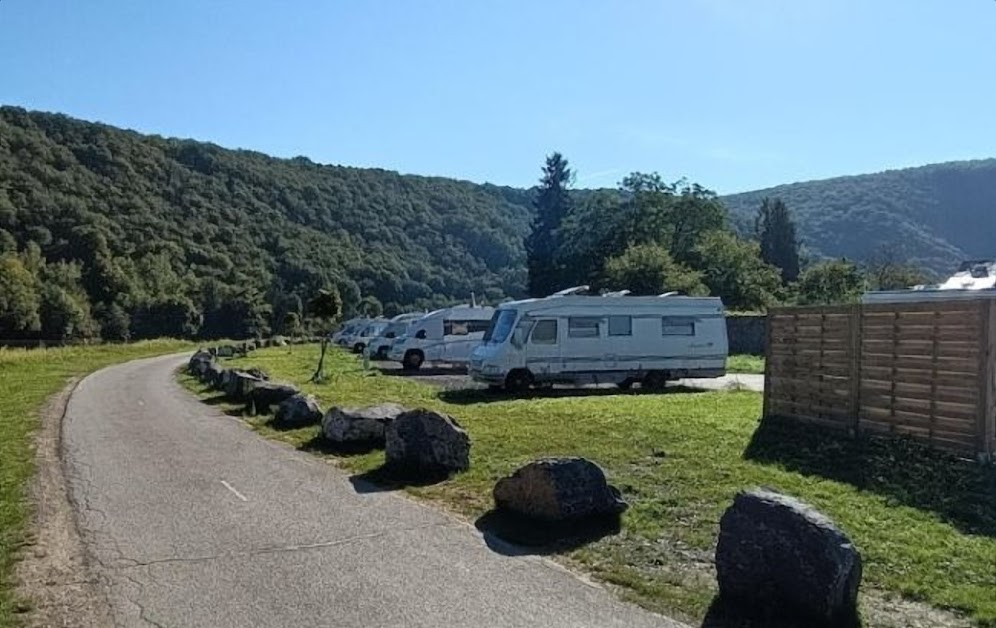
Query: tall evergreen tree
[[776, 231], [552, 204]]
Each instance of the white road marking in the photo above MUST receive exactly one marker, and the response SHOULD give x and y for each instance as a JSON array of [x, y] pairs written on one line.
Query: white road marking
[[235, 492]]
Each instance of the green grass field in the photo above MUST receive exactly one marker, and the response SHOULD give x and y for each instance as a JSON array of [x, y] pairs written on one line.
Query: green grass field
[[745, 364], [925, 523], [27, 379]]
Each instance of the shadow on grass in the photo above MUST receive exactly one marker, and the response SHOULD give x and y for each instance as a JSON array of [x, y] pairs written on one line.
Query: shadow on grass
[[722, 614], [467, 396], [434, 371], [961, 492], [224, 404], [385, 478], [321, 445], [514, 535]]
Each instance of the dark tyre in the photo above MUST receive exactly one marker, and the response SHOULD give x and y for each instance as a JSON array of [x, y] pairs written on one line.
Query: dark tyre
[[655, 380], [359, 347], [626, 384], [381, 353], [413, 361], [518, 381]]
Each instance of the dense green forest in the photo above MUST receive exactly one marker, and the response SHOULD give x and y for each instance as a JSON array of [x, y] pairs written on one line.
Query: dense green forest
[[111, 233], [145, 236], [933, 216]]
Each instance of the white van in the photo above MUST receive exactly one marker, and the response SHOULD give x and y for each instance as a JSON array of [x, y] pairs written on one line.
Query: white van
[[380, 346], [602, 339], [346, 329], [447, 335], [364, 333]]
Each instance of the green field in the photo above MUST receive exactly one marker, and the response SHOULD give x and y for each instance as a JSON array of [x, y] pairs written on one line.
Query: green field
[[745, 364], [27, 379], [924, 523]]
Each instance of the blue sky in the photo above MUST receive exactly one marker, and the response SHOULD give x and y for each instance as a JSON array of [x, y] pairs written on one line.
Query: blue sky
[[733, 94]]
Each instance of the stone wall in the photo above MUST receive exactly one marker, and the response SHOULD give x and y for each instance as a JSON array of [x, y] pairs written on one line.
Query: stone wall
[[746, 333]]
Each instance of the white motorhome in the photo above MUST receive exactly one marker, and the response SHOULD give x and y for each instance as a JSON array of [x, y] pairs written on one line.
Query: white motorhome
[[447, 335], [380, 346], [974, 279], [347, 328], [569, 339], [364, 333]]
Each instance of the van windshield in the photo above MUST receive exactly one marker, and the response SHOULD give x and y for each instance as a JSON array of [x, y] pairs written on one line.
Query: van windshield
[[501, 326]]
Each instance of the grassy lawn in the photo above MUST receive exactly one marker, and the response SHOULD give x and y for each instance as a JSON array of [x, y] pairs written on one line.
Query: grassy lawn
[[27, 379], [925, 523], [744, 363]]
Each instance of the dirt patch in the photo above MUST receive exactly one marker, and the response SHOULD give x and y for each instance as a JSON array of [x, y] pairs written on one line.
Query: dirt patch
[[54, 575]]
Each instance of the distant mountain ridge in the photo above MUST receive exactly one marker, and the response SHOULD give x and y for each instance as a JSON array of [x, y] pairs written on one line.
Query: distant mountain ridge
[[934, 215]]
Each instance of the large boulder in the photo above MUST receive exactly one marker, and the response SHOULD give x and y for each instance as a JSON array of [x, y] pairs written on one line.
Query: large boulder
[[210, 373], [298, 411], [239, 385], [258, 372], [222, 378], [558, 490], [265, 395], [198, 362], [225, 351], [426, 443], [360, 425], [777, 554]]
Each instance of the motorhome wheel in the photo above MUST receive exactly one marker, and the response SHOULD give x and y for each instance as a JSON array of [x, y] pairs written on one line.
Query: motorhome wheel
[[655, 380], [518, 381], [413, 360]]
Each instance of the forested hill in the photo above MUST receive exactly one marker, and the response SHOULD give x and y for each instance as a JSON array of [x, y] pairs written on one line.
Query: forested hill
[[186, 235], [935, 216]]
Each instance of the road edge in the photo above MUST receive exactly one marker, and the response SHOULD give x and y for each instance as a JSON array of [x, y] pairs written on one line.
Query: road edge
[[54, 573]]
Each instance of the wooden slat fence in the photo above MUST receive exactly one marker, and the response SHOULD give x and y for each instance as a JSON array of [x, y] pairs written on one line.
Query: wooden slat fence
[[924, 369]]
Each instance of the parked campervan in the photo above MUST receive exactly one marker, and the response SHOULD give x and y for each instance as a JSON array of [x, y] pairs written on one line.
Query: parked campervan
[[570, 339], [447, 335], [346, 329], [364, 333], [380, 346], [973, 279]]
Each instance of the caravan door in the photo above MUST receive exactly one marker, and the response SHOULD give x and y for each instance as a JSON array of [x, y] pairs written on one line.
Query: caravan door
[[543, 357]]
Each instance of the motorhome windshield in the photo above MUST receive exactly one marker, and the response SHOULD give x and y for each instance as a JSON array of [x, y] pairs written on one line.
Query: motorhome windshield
[[501, 326]]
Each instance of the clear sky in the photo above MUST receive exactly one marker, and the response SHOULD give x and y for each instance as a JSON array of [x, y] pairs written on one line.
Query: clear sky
[[733, 94]]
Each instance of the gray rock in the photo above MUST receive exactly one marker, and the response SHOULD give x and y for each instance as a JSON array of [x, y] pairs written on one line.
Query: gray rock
[[360, 425], [198, 362], [239, 384], [278, 341], [298, 411], [426, 443], [258, 372], [211, 373], [777, 554], [265, 395], [222, 378], [557, 490], [226, 351]]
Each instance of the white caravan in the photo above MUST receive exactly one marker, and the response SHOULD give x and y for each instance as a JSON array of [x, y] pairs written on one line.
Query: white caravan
[[347, 328], [974, 279], [364, 333], [447, 335], [380, 346], [568, 339]]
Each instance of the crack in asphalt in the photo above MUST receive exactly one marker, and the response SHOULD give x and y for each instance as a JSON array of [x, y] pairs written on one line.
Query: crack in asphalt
[[278, 548]]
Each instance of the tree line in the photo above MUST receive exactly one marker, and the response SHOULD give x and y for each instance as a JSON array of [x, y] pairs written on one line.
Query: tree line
[[651, 237]]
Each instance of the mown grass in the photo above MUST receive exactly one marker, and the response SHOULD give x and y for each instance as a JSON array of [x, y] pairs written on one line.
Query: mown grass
[[27, 379], [743, 363], [925, 523]]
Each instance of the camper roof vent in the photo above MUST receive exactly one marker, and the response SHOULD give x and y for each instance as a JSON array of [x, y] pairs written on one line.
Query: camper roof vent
[[571, 291], [617, 293], [673, 293]]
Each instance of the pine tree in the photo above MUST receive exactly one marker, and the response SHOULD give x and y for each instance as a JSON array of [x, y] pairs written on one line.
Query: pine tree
[[552, 204], [776, 231]]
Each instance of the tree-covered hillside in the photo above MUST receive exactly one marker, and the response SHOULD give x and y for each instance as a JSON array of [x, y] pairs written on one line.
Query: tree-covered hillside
[[171, 235], [934, 215]]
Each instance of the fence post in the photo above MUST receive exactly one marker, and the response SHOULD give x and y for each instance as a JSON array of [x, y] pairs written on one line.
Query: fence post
[[854, 320], [986, 424]]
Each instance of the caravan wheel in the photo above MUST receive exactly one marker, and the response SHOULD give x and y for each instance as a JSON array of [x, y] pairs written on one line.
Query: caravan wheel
[[518, 381], [413, 361], [655, 380]]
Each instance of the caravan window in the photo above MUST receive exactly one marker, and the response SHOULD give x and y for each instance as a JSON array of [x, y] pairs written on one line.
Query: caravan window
[[582, 327], [678, 326], [620, 325], [545, 333], [455, 328], [478, 326]]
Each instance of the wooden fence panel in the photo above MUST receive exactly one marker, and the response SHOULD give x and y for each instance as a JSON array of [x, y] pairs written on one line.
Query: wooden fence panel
[[925, 369]]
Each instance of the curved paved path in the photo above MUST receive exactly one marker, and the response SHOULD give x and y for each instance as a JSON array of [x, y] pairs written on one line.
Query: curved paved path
[[193, 520]]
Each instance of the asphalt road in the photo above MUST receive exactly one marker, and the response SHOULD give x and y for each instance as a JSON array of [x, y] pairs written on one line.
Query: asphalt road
[[193, 520]]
